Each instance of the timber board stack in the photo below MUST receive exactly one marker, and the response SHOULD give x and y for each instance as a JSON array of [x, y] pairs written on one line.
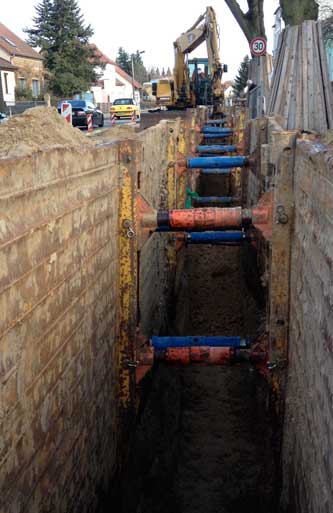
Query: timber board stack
[[301, 91]]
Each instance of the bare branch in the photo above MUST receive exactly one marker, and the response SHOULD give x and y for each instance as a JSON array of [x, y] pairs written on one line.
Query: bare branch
[[252, 22], [240, 17]]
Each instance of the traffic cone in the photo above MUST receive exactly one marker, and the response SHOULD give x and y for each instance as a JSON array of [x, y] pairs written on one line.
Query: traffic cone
[[113, 120]]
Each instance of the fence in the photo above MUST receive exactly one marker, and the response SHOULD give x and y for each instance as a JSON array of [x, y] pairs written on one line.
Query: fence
[[20, 107]]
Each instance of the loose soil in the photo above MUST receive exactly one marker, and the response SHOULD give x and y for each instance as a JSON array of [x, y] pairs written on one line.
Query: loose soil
[[225, 462], [203, 443], [39, 128]]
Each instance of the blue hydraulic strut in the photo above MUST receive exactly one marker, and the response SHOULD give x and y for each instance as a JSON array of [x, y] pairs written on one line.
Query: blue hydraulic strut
[[214, 237], [215, 136], [216, 148], [207, 200], [219, 162], [216, 130], [215, 121], [168, 342]]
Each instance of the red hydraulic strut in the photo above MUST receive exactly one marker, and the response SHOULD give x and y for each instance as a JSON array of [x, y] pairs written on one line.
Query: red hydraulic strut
[[201, 218]]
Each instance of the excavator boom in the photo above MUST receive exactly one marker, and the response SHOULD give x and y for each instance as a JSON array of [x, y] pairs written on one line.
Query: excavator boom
[[204, 29]]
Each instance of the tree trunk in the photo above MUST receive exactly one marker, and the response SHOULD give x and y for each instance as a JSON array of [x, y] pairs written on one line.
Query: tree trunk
[[252, 22], [296, 11]]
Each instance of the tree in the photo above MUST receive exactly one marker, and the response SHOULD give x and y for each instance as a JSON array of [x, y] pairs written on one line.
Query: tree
[[140, 72], [296, 11], [326, 15], [251, 22], [242, 77], [70, 60], [124, 60], [168, 72]]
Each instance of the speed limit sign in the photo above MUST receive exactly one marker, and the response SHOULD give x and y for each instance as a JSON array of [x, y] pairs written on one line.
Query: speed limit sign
[[258, 46]]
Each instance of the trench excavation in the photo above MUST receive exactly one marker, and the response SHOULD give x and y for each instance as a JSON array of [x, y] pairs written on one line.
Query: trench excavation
[[204, 442]]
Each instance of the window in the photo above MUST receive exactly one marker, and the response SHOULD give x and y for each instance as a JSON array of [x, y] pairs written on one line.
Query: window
[[6, 83], [124, 101], [7, 40], [35, 87], [22, 84]]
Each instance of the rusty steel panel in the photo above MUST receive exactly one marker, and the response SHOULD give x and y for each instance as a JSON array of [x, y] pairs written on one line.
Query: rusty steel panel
[[129, 158], [58, 292]]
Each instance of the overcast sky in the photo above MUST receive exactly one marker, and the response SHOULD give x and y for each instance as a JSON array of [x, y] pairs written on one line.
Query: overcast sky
[[149, 25]]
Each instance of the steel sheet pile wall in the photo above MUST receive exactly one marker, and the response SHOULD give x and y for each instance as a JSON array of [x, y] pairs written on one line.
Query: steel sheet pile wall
[[69, 241], [58, 315], [308, 433], [163, 185], [156, 255]]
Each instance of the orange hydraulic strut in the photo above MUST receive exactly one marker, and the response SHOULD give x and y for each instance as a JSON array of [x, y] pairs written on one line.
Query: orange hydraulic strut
[[204, 218]]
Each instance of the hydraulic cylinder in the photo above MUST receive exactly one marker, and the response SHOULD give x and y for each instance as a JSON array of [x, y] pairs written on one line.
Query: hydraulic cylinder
[[207, 341], [207, 200], [215, 136], [201, 218], [216, 162], [216, 130], [215, 121], [216, 148], [214, 237]]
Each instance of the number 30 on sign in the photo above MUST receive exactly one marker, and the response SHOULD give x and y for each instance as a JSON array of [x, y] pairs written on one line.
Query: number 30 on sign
[[258, 46]]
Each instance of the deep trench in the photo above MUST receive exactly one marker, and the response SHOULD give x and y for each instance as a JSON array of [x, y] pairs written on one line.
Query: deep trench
[[204, 442]]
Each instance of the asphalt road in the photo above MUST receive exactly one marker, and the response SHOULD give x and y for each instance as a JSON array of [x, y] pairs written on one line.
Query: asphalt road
[[148, 119]]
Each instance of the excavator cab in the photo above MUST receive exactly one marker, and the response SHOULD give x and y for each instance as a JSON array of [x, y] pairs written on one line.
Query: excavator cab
[[200, 82]]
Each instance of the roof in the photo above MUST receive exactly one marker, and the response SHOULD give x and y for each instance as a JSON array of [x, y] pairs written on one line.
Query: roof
[[16, 46], [106, 60], [6, 65]]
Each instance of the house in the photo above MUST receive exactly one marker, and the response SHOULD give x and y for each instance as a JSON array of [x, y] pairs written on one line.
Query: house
[[7, 74], [114, 82], [228, 92], [28, 64]]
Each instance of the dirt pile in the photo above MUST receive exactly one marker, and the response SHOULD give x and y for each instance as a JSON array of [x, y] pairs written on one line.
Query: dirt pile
[[39, 128], [116, 133]]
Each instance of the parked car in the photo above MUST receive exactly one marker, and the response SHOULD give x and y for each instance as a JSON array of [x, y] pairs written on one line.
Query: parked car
[[124, 107], [80, 111], [3, 117]]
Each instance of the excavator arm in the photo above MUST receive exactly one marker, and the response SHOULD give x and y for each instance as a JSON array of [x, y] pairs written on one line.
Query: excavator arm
[[204, 29]]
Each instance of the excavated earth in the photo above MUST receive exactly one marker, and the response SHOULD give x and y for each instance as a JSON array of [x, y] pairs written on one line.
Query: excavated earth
[[204, 442]]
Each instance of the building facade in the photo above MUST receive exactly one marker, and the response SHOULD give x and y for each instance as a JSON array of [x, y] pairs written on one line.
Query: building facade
[[114, 82], [7, 75], [27, 64]]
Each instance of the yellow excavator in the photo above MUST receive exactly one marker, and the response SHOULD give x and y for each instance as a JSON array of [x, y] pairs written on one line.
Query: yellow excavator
[[196, 81]]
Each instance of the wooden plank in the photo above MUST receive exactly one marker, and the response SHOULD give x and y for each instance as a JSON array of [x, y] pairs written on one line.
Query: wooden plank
[[321, 118], [299, 82], [305, 121], [285, 66], [290, 106], [285, 92], [277, 73], [328, 96]]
